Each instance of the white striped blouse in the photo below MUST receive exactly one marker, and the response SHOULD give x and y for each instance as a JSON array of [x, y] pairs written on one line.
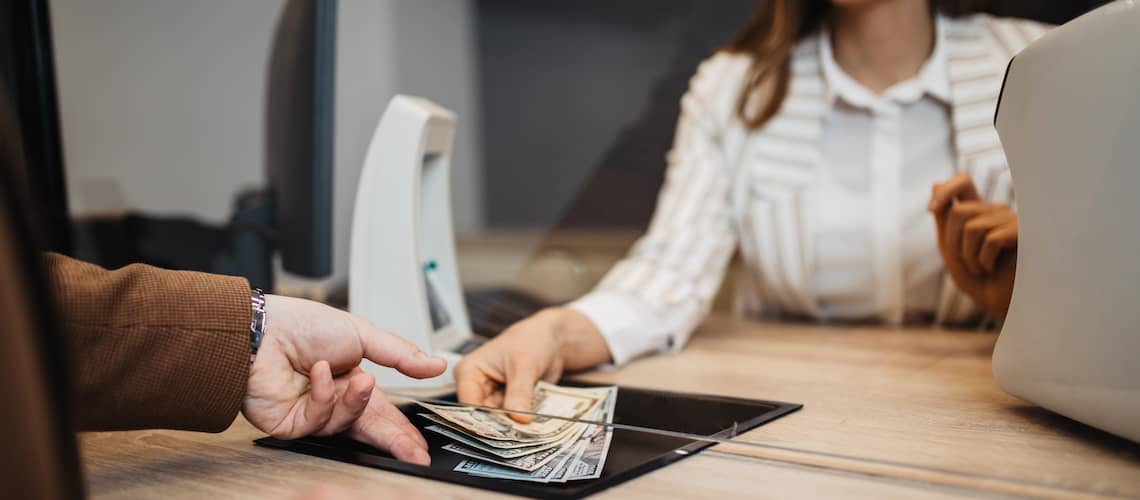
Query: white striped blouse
[[730, 189]]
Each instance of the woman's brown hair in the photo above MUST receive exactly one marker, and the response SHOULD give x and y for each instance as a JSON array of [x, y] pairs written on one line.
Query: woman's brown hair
[[769, 37]]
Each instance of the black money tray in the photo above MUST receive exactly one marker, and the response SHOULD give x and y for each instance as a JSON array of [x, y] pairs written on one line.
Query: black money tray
[[631, 453]]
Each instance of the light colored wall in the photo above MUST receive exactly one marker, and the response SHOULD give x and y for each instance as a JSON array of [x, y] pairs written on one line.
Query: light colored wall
[[161, 101]]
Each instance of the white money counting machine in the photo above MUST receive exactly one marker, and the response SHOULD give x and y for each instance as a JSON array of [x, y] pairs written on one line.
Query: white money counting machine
[[403, 274]]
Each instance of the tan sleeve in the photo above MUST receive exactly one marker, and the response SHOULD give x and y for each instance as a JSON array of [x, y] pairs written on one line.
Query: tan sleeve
[[153, 348]]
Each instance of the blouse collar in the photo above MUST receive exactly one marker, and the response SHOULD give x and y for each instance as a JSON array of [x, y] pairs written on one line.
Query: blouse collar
[[933, 78]]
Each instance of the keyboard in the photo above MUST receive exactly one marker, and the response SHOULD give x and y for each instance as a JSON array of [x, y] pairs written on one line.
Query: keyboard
[[492, 310]]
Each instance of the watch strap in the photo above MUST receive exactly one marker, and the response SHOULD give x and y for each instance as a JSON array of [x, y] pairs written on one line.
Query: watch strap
[[257, 320]]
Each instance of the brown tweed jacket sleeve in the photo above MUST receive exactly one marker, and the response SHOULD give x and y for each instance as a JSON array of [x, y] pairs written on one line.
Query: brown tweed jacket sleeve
[[153, 348]]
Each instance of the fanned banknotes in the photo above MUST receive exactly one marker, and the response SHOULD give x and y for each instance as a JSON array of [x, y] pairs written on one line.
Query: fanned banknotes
[[544, 450]]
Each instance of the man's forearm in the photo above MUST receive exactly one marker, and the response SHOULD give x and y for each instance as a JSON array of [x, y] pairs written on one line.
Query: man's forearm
[[153, 348]]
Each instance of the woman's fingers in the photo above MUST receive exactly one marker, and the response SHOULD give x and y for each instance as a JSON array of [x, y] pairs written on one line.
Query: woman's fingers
[[949, 202], [1001, 238], [495, 400], [974, 231], [972, 235], [519, 394], [956, 222], [959, 187], [470, 383]]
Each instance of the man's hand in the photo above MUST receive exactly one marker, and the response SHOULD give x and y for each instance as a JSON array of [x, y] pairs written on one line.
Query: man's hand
[[502, 372], [978, 242], [306, 379]]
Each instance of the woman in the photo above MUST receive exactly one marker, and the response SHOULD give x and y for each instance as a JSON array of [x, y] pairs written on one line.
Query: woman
[[810, 145]]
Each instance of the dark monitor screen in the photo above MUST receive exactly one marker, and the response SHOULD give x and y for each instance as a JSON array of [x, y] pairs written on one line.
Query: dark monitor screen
[[300, 101]]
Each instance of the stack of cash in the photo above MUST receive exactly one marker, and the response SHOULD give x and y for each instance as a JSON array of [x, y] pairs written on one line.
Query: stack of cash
[[545, 450]]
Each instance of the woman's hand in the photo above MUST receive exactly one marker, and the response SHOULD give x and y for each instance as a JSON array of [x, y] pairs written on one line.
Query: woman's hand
[[502, 372], [978, 242], [306, 378]]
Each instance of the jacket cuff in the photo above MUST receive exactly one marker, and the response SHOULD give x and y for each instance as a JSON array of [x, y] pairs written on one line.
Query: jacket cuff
[[230, 352]]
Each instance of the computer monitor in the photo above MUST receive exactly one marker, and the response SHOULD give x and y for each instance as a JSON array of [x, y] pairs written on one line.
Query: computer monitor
[[299, 115], [292, 216], [1068, 118]]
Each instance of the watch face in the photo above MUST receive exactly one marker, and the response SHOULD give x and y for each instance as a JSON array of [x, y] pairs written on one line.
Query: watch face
[[257, 321]]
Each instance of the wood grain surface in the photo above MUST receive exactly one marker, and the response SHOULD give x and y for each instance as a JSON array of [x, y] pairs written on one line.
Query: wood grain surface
[[889, 413]]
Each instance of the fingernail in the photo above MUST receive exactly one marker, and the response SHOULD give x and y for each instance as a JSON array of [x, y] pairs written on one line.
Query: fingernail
[[421, 457], [420, 355], [366, 397]]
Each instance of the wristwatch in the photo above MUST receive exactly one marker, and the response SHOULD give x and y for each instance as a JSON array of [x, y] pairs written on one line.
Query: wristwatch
[[257, 321]]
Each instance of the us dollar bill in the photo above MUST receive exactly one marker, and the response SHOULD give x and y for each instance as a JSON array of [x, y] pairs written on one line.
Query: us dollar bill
[[589, 464], [490, 443], [553, 471], [483, 447], [549, 399], [585, 459], [526, 463], [484, 469], [562, 472]]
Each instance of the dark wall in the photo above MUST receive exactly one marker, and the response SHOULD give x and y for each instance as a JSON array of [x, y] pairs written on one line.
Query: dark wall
[[568, 85], [580, 98], [1052, 12]]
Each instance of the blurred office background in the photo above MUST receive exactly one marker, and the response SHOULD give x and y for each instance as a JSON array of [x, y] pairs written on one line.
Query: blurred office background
[[566, 110]]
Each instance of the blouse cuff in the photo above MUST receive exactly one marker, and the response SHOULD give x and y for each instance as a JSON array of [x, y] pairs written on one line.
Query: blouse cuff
[[631, 327]]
